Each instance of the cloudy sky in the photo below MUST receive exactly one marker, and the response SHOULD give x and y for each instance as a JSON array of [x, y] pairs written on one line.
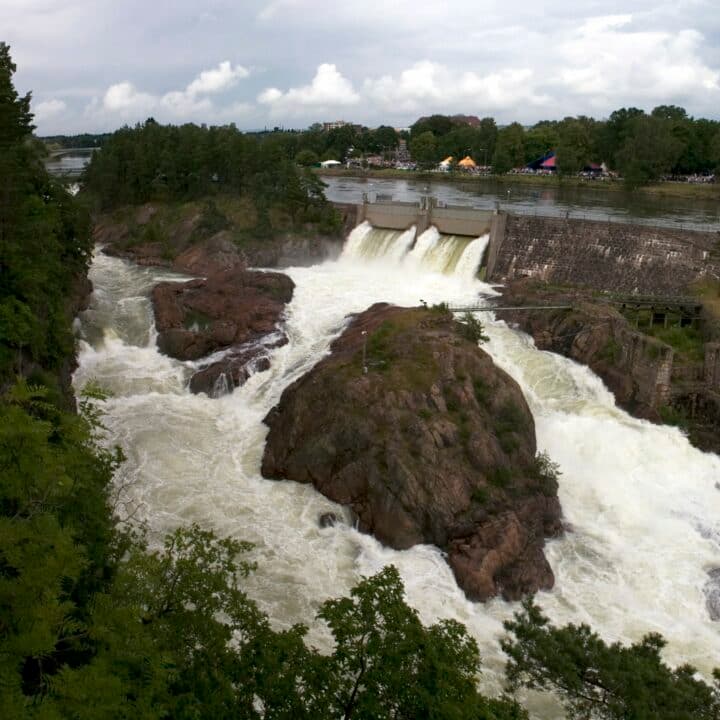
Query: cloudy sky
[[96, 64]]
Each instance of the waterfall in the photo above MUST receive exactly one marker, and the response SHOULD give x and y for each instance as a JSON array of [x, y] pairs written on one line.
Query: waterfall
[[641, 501], [367, 243], [433, 251], [425, 244], [469, 262]]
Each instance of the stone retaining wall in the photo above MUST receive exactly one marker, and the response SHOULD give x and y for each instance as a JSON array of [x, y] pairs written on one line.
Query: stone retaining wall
[[607, 256]]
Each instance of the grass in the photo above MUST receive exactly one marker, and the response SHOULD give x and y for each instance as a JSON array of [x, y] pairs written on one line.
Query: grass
[[500, 477], [688, 342], [611, 351]]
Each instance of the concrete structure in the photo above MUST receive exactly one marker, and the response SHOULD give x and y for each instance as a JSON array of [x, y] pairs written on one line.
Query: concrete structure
[[451, 220], [608, 256]]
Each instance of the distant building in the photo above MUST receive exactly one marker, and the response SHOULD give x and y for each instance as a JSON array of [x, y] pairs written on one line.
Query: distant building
[[328, 126]]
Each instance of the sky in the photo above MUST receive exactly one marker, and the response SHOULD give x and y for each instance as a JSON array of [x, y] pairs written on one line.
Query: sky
[[94, 65]]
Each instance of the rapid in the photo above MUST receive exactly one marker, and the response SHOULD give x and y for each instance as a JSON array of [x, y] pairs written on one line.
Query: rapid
[[641, 504]]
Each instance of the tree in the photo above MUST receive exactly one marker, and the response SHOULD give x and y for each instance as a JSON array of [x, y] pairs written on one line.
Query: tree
[[573, 148], [387, 665], [423, 149], [649, 151], [715, 151], [438, 125], [307, 158], [598, 681], [509, 150]]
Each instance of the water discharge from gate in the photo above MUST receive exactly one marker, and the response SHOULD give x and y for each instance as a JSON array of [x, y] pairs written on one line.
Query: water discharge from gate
[[641, 503]]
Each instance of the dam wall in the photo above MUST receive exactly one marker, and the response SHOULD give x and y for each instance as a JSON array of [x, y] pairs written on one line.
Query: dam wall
[[448, 219], [610, 256]]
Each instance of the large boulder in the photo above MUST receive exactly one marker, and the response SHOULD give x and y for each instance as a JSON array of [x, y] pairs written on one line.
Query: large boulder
[[234, 310], [428, 442]]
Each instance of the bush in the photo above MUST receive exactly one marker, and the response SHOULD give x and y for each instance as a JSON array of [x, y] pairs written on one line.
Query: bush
[[472, 329]]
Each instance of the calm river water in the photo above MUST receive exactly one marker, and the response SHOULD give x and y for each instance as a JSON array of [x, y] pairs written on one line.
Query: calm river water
[[698, 214]]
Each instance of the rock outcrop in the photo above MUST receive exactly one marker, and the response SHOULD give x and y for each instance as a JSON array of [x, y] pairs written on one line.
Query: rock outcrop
[[647, 377], [235, 310], [199, 239], [433, 444], [635, 367]]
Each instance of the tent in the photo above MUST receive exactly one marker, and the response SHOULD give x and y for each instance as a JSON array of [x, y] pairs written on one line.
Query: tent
[[546, 162], [330, 163], [467, 162], [447, 161], [550, 163]]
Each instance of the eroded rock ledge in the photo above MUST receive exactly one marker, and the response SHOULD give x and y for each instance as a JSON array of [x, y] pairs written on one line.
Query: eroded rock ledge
[[235, 310], [434, 444]]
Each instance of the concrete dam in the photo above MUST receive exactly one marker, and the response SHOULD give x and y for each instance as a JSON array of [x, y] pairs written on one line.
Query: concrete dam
[[608, 256]]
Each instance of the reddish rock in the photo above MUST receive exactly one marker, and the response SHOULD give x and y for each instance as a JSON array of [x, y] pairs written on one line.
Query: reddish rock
[[234, 308], [434, 444], [210, 256]]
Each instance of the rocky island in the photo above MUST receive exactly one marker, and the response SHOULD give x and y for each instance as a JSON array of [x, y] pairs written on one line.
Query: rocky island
[[427, 442], [234, 310]]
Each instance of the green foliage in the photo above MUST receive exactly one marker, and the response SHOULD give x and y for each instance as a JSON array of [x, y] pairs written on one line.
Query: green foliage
[[480, 495], [547, 473], [482, 391], [687, 342], [611, 352], [510, 148], [307, 158], [171, 163], [56, 538], [472, 329], [45, 245], [674, 416], [387, 665], [598, 681], [424, 150], [500, 476], [509, 421]]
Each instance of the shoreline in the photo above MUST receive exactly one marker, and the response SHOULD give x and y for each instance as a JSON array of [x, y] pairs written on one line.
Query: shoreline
[[668, 189]]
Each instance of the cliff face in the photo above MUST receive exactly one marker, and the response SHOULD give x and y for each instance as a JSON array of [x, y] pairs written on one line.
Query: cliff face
[[643, 372], [635, 367], [434, 444], [200, 239], [236, 310]]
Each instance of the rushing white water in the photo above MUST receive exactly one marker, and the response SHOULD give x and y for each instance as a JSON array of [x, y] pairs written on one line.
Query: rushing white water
[[369, 243], [642, 503], [432, 251]]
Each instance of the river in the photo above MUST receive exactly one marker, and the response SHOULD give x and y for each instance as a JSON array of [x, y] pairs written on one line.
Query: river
[[641, 503], [524, 199]]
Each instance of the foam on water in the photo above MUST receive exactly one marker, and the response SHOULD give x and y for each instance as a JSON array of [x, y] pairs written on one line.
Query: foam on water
[[641, 501]]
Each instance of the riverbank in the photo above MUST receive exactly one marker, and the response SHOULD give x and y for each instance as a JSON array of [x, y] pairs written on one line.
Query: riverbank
[[669, 189], [665, 374], [208, 235]]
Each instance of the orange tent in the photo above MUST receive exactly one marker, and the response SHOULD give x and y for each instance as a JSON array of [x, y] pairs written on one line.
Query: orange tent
[[467, 162]]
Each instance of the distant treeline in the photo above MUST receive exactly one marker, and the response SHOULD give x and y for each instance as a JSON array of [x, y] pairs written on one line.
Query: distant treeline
[[84, 140], [641, 147], [187, 162]]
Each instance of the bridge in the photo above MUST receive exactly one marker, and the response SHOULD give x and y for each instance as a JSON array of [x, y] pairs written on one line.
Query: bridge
[[493, 308]]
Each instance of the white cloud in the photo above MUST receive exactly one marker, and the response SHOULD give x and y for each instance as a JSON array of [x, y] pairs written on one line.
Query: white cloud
[[634, 66], [431, 87], [218, 79], [125, 102], [328, 89], [49, 109], [124, 98]]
